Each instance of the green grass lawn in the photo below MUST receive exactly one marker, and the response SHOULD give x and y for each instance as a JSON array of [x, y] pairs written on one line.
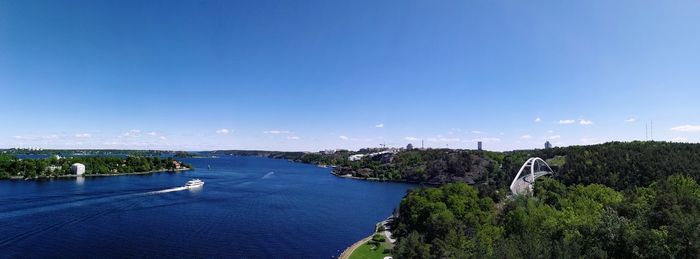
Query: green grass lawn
[[557, 161], [365, 252]]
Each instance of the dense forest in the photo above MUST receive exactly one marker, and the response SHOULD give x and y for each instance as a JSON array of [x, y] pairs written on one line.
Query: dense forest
[[621, 165], [12, 167], [590, 221], [432, 166], [618, 165], [619, 200]]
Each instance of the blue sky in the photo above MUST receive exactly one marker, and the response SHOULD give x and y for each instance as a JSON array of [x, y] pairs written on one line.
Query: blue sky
[[312, 75]]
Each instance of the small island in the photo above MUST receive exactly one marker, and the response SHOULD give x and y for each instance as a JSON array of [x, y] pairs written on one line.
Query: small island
[[12, 167]]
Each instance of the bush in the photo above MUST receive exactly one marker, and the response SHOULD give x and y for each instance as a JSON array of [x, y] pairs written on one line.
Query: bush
[[378, 238]]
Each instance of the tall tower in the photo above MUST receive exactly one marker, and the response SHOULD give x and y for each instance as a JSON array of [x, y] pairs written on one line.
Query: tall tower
[[478, 144]]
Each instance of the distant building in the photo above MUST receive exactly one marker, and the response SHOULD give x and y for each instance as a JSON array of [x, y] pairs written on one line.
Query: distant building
[[409, 146], [356, 157], [547, 145], [77, 169], [177, 164], [328, 152], [479, 145]]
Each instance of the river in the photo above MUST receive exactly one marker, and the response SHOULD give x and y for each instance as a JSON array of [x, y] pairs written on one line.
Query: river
[[249, 207]]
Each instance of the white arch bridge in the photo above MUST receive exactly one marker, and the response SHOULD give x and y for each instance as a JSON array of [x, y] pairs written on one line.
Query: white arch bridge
[[529, 172]]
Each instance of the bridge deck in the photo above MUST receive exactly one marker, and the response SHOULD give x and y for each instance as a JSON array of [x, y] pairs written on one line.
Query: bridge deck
[[524, 184]]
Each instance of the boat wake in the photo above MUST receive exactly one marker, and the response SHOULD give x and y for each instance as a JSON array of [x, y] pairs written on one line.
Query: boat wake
[[81, 202], [176, 189]]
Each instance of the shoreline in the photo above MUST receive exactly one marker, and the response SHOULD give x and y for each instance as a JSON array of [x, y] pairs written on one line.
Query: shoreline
[[99, 175], [380, 180], [351, 249]]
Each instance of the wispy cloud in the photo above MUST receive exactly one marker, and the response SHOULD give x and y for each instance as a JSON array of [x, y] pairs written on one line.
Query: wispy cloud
[[152, 133], [343, 137], [631, 120], [585, 122], [277, 132], [410, 138], [526, 136], [380, 125], [83, 135], [687, 128], [538, 119], [132, 133], [293, 137], [222, 131], [44, 137], [567, 121], [478, 132]]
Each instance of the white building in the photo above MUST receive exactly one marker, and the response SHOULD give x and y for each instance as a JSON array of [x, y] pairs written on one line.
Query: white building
[[356, 157], [77, 168]]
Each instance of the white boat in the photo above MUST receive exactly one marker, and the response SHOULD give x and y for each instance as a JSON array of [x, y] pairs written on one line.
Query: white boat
[[194, 183]]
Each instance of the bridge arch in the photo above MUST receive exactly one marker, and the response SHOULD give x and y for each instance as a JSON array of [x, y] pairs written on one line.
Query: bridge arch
[[532, 169]]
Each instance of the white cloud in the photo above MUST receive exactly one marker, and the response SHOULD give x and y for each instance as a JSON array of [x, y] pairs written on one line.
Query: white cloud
[[277, 132], [526, 136], [443, 139], [553, 137], [82, 135], [222, 131], [630, 120], [538, 119], [46, 137], [162, 137], [380, 125], [410, 138], [679, 139], [478, 132], [687, 128], [293, 137], [585, 122], [550, 131], [152, 133], [567, 121], [343, 137], [132, 133]]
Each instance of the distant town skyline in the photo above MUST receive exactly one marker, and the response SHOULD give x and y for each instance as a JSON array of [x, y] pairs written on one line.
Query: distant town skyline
[[315, 75]]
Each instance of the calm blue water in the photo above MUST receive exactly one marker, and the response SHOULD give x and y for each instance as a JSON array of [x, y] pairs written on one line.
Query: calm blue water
[[249, 208]]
